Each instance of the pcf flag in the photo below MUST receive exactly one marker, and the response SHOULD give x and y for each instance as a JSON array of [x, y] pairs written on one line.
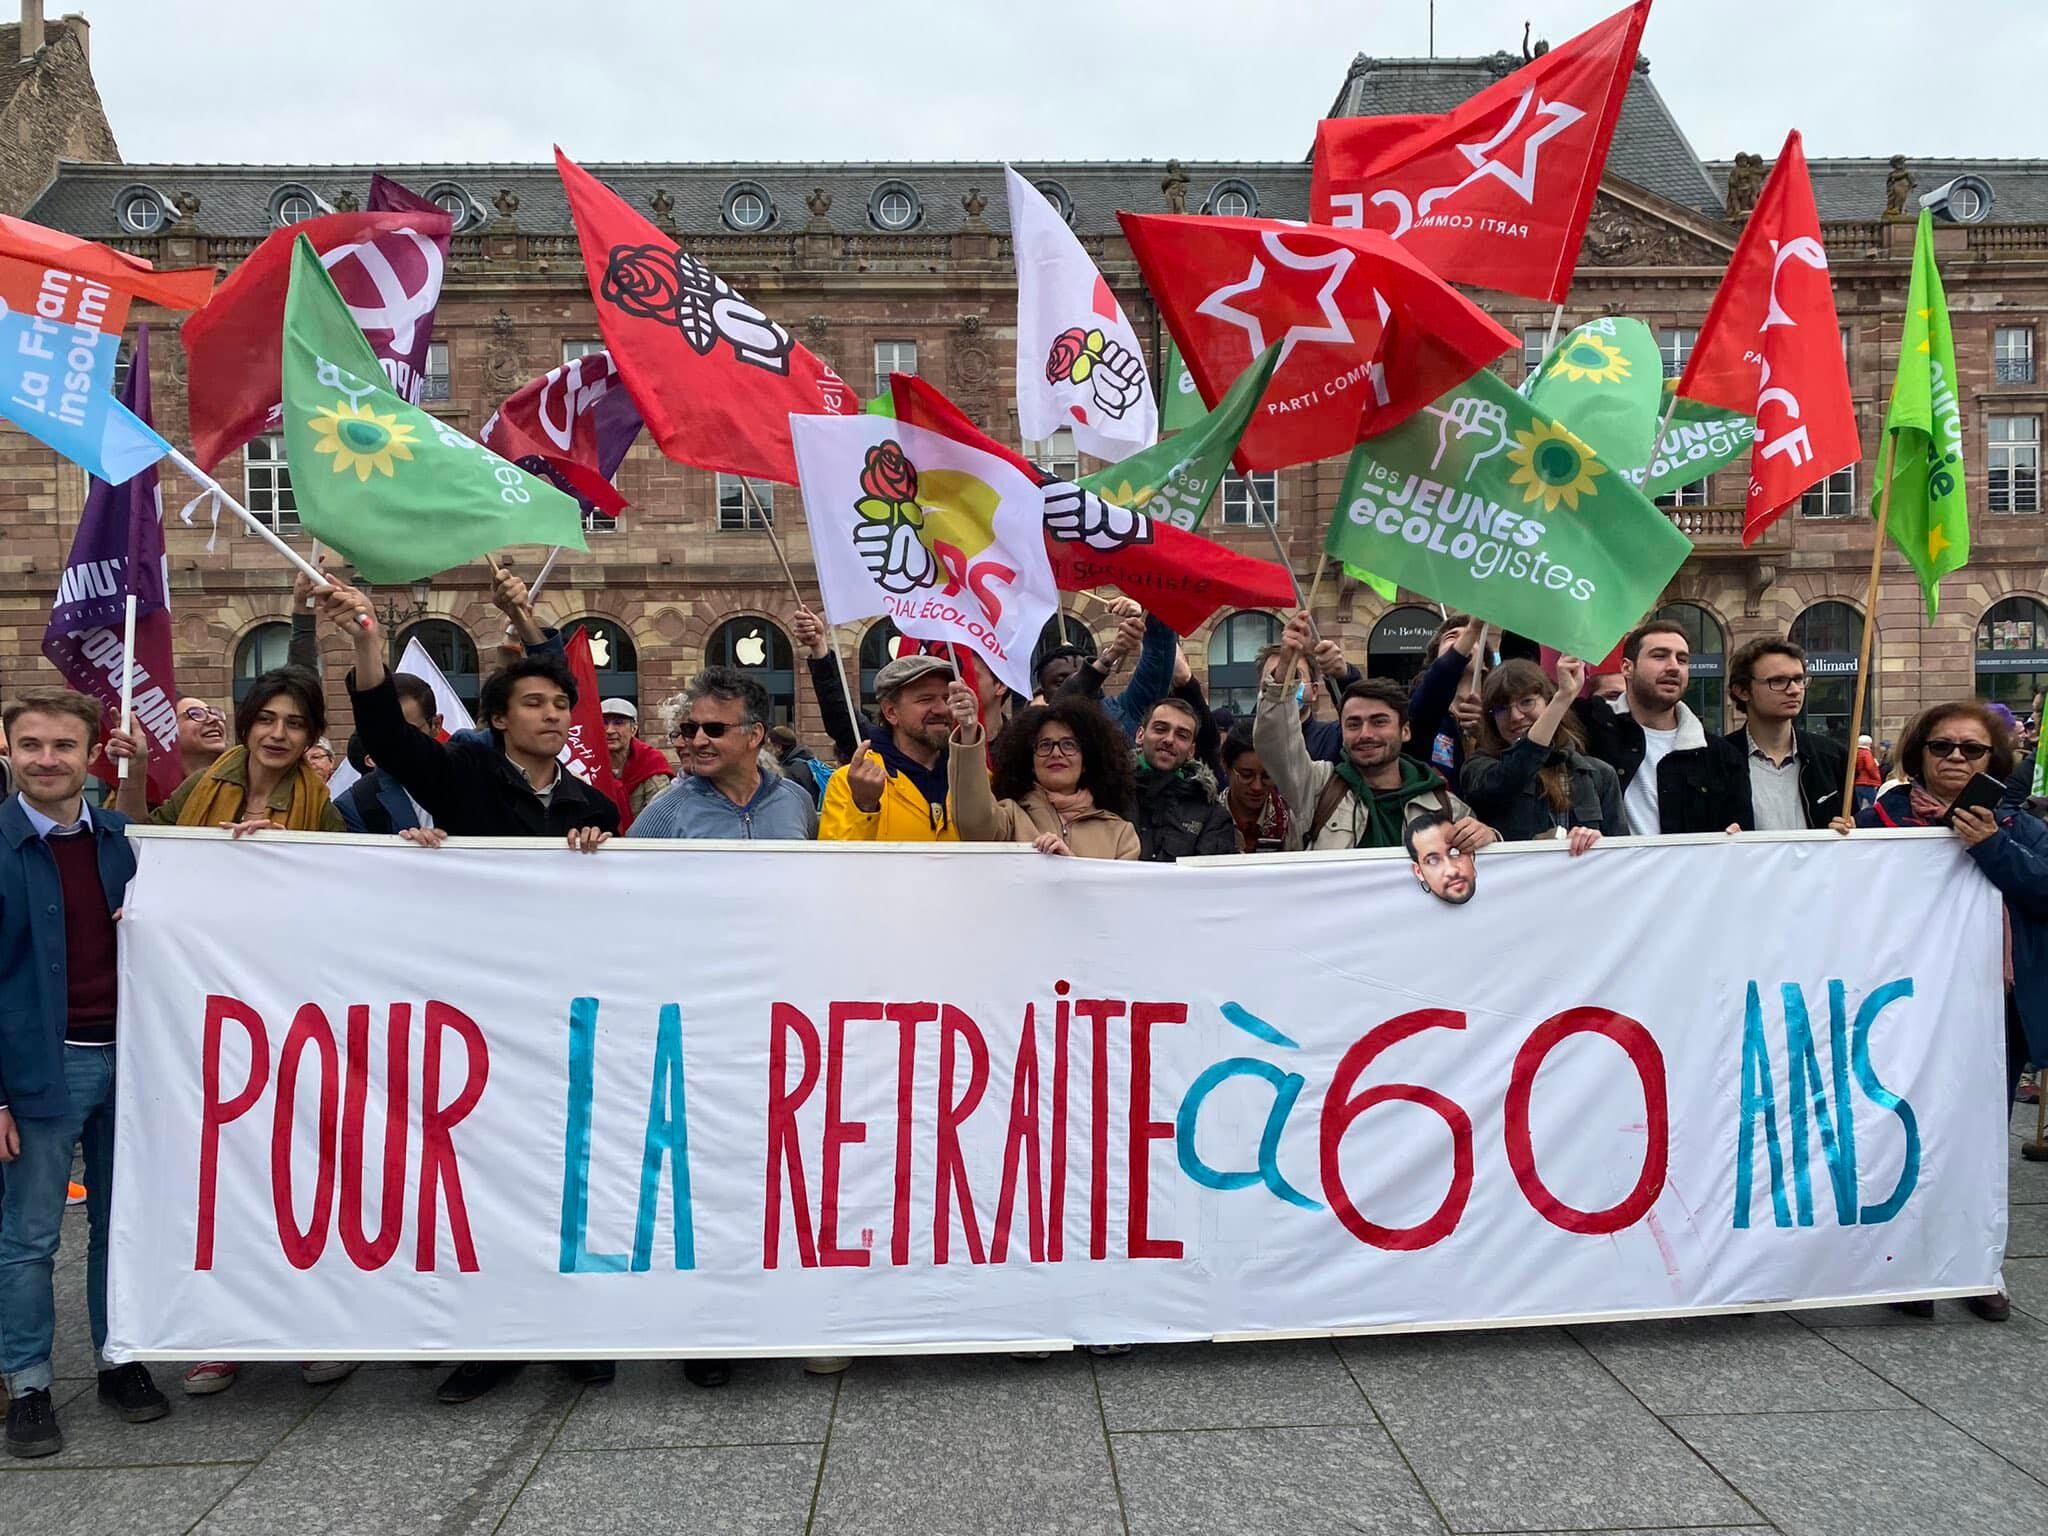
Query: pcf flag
[[1930, 514], [118, 550], [945, 539], [1484, 504], [574, 425], [1495, 193], [387, 267], [1367, 333], [399, 493], [1772, 347], [1080, 364], [1607, 379], [715, 379]]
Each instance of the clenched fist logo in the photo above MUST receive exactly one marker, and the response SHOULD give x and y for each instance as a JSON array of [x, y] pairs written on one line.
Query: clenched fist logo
[[1075, 516], [1111, 370]]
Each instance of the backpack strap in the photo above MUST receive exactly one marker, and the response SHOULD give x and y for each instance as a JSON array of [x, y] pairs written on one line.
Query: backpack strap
[[1334, 791]]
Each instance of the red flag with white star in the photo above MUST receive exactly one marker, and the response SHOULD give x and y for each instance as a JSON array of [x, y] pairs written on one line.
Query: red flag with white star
[[1771, 347], [1496, 193], [1368, 334]]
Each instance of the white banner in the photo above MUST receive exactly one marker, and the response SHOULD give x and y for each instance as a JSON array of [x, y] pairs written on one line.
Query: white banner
[[502, 1100]]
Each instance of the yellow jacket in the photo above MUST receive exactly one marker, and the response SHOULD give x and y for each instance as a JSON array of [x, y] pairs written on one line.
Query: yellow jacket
[[905, 817]]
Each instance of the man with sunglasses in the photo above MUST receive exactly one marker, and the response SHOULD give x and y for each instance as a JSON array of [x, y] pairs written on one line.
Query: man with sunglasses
[[202, 735], [720, 731], [1769, 776]]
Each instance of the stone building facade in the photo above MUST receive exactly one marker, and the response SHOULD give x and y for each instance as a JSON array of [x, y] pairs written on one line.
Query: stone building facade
[[908, 266]]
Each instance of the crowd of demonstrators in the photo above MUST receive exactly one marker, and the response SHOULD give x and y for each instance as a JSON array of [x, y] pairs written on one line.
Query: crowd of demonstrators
[[1177, 811], [1147, 638], [1256, 809], [1531, 778], [1058, 776], [1649, 720], [1769, 776], [637, 766], [895, 790]]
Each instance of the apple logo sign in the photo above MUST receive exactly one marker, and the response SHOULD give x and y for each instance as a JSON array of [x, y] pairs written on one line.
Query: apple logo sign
[[750, 649], [600, 652]]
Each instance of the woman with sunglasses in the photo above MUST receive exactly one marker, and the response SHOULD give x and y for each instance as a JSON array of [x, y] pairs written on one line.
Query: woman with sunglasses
[[1059, 776], [1942, 750]]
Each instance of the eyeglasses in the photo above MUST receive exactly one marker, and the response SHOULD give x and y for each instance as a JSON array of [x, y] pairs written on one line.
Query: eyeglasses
[[1968, 751], [1056, 746], [198, 713], [686, 730], [1783, 684]]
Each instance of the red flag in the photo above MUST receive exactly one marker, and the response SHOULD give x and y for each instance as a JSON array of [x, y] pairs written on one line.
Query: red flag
[[234, 347], [1369, 335], [1496, 193], [573, 424], [589, 758], [715, 379], [1771, 348], [1180, 576]]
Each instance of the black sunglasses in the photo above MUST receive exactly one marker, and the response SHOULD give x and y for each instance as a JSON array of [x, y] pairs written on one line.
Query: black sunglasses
[[1968, 751], [713, 729]]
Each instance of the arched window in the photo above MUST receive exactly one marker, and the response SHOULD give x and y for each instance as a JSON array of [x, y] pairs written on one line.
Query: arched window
[[1708, 643], [2012, 652], [262, 650], [1399, 645], [762, 651], [1831, 633], [613, 655], [448, 647], [878, 647], [1061, 629], [1234, 647]]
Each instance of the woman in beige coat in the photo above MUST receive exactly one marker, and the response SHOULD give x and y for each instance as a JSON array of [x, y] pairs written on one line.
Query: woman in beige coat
[[1058, 777]]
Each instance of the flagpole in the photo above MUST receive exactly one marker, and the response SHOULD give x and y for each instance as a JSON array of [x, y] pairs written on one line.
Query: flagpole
[[554, 554], [1884, 512], [1300, 601], [831, 630], [256, 526], [1556, 320], [127, 673]]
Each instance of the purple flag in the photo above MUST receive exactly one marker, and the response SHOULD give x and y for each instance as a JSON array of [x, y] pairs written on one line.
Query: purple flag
[[119, 548], [574, 425]]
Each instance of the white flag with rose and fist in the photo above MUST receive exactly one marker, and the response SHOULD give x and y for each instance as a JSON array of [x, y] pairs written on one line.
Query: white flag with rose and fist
[[1080, 364], [945, 539]]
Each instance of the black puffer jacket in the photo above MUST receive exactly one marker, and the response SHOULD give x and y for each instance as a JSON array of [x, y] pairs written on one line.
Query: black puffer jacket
[[1178, 817]]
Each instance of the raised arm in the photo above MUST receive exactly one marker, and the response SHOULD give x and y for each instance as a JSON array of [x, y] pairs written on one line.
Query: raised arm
[[1276, 726]]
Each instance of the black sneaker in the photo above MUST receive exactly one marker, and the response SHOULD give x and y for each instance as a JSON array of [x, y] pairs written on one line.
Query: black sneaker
[[473, 1378], [593, 1373], [128, 1390], [32, 1425]]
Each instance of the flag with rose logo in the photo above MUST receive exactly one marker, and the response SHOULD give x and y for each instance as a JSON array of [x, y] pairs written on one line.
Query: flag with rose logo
[[1080, 364], [398, 493], [946, 540]]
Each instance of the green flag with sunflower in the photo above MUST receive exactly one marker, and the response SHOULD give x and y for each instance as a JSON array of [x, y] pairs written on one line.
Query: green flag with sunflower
[[1482, 502], [1180, 404], [1607, 379], [1930, 514], [398, 493], [1176, 478]]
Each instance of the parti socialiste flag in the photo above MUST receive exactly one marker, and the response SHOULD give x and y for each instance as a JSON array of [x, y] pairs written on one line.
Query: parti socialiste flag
[[573, 424], [1080, 364], [1771, 348], [944, 538], [1091, 542], [1497, 192], [63, 302], [387, 267], [1368, 334], [119, 550], [715, 379]]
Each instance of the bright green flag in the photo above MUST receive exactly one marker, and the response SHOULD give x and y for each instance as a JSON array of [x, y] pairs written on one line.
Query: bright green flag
[[1698, 440], [1930, 516], [883, 404], [1387, 590], [1182, 405], [1176, 478], [398, 493], [1607, 379], [1483, 503]]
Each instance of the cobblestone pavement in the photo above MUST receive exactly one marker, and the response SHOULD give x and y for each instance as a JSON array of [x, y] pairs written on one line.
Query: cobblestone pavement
[[1857, 1422]]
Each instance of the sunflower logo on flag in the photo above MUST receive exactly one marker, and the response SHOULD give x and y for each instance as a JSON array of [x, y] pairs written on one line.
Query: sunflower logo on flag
[[1552, 466], [360, 439], [1586, 359]]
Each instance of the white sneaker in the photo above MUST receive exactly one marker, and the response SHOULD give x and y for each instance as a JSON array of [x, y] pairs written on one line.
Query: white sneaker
[[210, 1376], [827, 1365], [318, 1373]]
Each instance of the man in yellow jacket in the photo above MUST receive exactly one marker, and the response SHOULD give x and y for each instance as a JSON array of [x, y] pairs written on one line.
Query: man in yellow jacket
[[895, 789]]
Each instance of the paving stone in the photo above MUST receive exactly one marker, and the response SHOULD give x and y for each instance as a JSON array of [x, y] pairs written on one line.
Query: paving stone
[[241, 1424], [1229, 1386], [2026, 1280], [104, 1501], [2026, 1232], [757, 1490], [1866, 1474], [1759, 1362], [956, 1446], [1987, 1380], [1275, 1482], [1523, 1430], [767, 1402]]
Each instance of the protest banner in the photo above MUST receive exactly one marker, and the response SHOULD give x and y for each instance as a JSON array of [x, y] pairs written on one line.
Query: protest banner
[[402, 1127]]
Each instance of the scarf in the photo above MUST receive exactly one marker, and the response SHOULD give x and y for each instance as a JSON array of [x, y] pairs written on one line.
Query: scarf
[[1386, 809], [1927, 811], [223, 790], [930, 782], [1268, 826], [1069, 808]]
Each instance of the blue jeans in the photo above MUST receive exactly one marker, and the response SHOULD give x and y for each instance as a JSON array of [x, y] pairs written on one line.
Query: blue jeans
[[32, 1217]]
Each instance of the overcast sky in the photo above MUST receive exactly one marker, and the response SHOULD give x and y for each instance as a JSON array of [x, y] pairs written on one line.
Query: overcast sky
[[425, 80]]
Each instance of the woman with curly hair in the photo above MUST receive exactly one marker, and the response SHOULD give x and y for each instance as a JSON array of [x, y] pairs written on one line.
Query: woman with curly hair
[[1061, 779]]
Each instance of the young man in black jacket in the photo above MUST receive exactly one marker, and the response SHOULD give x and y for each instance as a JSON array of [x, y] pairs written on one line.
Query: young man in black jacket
[[1177, 813], [1769, 776]]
